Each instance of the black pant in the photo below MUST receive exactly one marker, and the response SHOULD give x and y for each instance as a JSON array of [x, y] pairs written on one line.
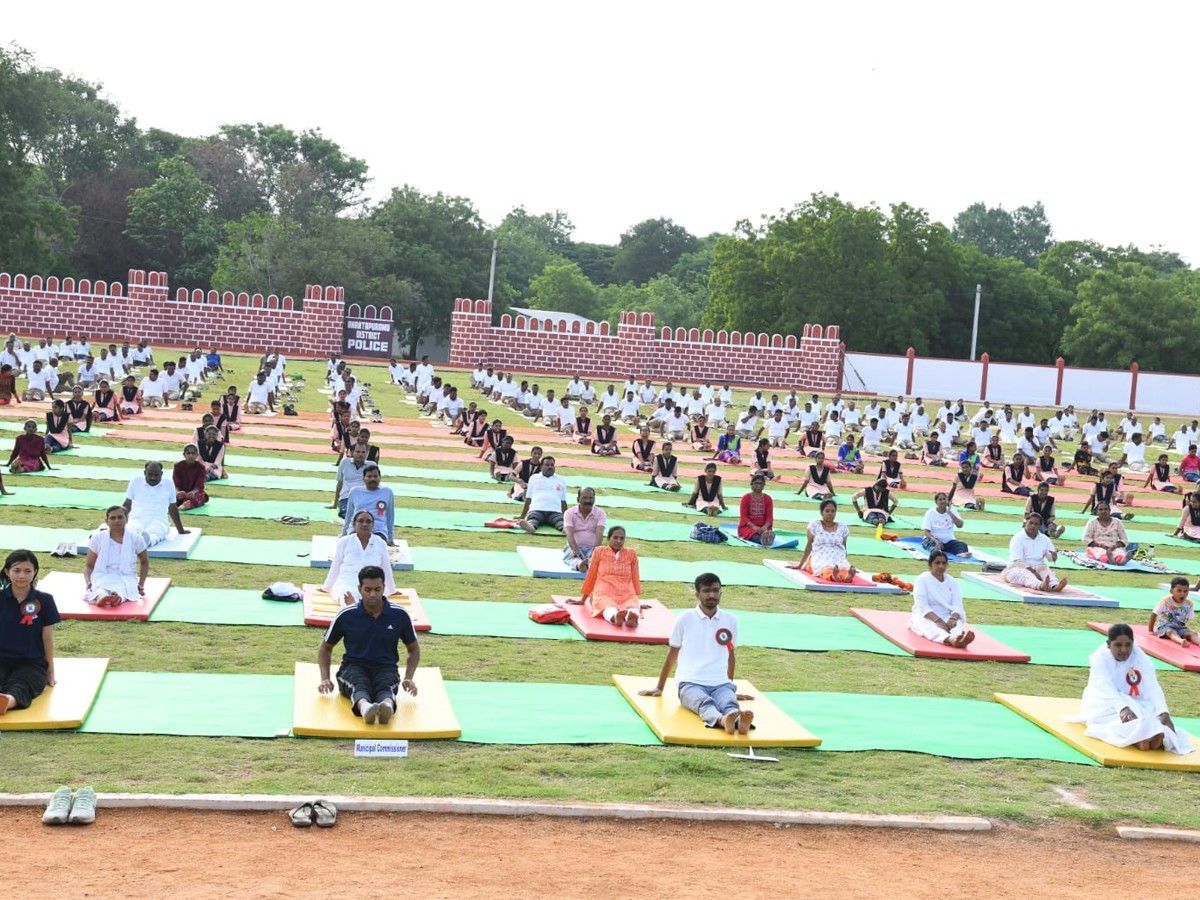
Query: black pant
[[360, 681], [24, 679]]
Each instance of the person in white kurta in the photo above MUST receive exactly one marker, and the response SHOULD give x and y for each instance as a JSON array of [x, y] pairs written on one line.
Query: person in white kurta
[[117, 563], [150, 503], [938, 613], [351, 553], [1028, 552], [1123, 704]]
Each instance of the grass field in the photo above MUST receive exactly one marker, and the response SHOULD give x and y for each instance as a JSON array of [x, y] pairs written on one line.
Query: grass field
[[872, 781]]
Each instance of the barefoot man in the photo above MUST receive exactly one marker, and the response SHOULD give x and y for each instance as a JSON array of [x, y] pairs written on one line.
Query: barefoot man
[[702, 642], [1028, 552]]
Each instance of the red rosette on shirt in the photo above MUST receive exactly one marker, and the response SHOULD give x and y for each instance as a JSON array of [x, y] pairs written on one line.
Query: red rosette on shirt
[[725, 638], [1133, 679], [30, 610]]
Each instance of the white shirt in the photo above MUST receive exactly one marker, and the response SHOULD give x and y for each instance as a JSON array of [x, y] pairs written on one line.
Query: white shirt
[[940, 525], [40, 381], [574, 389], [509, 389], [1030, 551], [726, 395], [424, 375], [534, 401], [1058, 426], [1157, 430], [1135, 453], [104, 367], [629, 408], [397, 372], [589, 394], [1134, 427], [696, 406], [852, 417], [903, 432], [677, 423], [88, 374], [777, 430], [546, 494], [609, 400], [715, 413], [920, 421], [1027, 420], [629, 387], [150, 389], [647, 394], [747, 422], [255, 393], [872, 437], [170, 381], [702, 660], [981, 436], [1026, 447], [942, 598], [555, 409], [43, 353], [349, 556], [150, 503], [706, 393], [453, 408], [140, 355], [807, 417], [834, 429]]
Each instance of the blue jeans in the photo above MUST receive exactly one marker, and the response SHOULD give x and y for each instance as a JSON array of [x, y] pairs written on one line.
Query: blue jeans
[[709, 702], [950, 548]]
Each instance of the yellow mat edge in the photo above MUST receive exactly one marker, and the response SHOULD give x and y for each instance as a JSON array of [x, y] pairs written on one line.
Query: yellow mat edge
[[8, 723], [1106, 755], [718, 738], [423, 673]]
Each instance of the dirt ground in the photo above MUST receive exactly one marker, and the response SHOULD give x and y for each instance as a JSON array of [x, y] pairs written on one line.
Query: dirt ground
[[182, 854]]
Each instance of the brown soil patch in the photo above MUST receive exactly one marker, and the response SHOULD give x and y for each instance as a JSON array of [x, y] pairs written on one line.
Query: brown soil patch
[[183, 854]]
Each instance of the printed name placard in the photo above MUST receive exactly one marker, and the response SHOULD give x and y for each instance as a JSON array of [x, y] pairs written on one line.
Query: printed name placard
[[381, 749]]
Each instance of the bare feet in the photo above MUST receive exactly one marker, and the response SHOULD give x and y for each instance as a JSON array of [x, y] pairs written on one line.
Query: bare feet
[[966, 638], [1061, 586], [6, 700], [631, 619], [1045, 588], [1143, 745], [853, 571], [729, 722], [744, 721], [1156, 742]]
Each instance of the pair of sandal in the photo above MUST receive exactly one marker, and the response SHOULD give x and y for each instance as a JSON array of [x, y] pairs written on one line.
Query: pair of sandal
[[321, 813], [292, 520]]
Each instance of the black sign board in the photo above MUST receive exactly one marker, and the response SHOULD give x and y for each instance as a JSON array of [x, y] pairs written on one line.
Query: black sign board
[[367, 337]]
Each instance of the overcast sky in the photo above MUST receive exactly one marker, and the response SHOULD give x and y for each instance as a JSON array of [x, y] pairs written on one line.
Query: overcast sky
[[704, 113]]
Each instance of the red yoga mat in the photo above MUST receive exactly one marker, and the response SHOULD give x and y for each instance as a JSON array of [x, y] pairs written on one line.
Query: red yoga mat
[[894, 626]]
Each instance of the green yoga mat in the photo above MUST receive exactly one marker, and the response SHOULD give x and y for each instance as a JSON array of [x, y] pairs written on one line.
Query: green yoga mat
[[1054, 646], [215, 548], [479, 618], [510, 713], [210, 705], [213, 606], [811, 633], [940, 726]]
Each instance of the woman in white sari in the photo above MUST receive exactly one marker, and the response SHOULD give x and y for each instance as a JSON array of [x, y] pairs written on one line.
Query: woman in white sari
[[110, 575], [1123, 704], [354, 551]]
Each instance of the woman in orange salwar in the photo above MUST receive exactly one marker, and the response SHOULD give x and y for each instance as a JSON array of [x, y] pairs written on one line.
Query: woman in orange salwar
[[613, 586]]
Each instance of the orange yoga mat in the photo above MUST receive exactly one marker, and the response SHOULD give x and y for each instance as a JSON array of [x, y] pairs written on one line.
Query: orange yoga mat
[[894, 626], [654, 628]]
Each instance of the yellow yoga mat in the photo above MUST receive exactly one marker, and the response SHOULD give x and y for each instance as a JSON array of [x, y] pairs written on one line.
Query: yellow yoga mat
[[428, 715], [1049, 714], [675, 725], [66, 704]]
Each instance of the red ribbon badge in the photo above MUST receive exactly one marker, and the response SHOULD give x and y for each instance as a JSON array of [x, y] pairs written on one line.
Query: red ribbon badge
[[725, 638], [1133, 679], [30, 609]]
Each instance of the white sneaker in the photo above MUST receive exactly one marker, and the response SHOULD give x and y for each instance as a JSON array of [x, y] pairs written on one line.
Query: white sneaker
[[59, 807], [83, 808]]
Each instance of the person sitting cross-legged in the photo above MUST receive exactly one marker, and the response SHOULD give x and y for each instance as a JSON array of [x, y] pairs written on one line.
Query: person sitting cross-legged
[[938, 613], [109, 574], [373, 630], [703, 641], [613, 586]]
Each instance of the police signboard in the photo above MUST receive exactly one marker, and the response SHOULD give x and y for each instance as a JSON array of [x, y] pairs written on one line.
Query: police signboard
[[367, 337]]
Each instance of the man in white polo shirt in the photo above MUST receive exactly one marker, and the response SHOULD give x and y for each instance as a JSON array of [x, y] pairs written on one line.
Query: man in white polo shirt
[[150, 501], [40, 387], [630, 410], [259, 398], [172, 381], [703, 641], [153, 389], [545, 499]]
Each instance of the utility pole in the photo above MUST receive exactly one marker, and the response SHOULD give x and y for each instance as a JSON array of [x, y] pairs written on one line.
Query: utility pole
[[492, 279], [974, 326]]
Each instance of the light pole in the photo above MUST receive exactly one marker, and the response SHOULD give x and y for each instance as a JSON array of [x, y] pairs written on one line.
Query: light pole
[[492, 281], [975, 324]]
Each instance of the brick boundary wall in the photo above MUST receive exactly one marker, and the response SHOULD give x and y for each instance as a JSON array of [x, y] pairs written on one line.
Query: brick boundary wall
[[145, 310], [541, 344]]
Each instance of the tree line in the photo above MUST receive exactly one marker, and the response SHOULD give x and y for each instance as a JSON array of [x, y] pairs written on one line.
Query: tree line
[[86, 191]]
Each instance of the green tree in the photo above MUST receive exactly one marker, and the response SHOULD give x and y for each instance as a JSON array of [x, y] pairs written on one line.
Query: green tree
[[1022, 311], [302, 176], [1119, 317], [594, 260], [1023, 234], [1069, 263], [439, 243], [651, 248], [527, 244], [562, 287], [173, 221]]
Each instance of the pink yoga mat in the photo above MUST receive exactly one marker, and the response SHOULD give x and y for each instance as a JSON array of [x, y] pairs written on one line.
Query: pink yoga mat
[[894, 626]]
